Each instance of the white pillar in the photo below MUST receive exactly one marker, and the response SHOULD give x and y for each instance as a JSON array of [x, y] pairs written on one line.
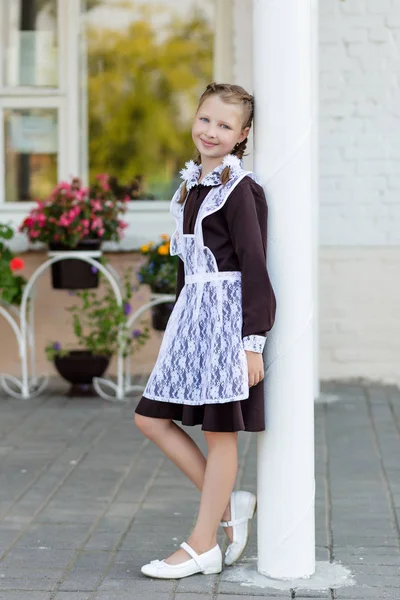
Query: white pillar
[[315, 180], [283, 163], [223, 44]]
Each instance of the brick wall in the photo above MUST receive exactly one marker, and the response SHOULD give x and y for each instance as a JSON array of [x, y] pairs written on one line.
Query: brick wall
[[360, 189], [360, 122]]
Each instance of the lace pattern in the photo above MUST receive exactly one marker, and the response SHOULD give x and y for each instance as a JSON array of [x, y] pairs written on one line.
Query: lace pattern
[[255, 343], [202, 358]]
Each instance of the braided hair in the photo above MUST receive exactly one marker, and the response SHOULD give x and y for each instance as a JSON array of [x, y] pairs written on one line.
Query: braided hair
[[231, 94]]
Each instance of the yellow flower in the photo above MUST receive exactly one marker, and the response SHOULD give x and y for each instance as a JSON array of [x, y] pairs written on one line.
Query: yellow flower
[[163, 250], [165, 237], [145, 248]]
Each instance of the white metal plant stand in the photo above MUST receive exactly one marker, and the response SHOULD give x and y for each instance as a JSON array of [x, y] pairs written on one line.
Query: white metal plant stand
[[154, 300], [22, 323]]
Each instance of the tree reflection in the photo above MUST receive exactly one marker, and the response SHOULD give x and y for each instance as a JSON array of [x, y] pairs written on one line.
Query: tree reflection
[[143, 84]]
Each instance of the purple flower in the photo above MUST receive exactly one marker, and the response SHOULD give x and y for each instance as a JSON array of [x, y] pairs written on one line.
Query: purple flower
[[136, 333], [57, 346], [127, 309], [94, 269]]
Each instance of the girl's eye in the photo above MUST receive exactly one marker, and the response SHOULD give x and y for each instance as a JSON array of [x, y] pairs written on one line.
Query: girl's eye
[[204, 119], [226, 126]]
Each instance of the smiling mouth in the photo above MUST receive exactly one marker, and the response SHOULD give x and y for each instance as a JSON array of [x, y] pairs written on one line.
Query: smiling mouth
[[208, 143]]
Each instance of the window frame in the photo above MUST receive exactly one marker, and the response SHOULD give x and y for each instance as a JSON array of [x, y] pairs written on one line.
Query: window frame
[[59, 98]]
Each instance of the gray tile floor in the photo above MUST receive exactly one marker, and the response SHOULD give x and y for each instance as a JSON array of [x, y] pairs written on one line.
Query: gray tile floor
[[85, 500]]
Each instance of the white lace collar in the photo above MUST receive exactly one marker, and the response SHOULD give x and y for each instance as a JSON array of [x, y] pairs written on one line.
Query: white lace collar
[[191, 173]]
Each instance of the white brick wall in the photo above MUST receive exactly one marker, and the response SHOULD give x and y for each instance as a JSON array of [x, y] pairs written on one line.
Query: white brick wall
[[360, 122]]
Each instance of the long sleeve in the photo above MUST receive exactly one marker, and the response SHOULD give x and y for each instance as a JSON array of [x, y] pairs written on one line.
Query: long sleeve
[[246, 213], [180, 279]]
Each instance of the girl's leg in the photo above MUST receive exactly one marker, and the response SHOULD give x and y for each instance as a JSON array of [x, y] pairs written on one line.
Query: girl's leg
[[219, 480], [177, 445]]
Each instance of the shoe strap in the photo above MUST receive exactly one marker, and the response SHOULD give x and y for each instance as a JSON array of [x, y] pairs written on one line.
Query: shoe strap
[[193, 554], [235, 522]]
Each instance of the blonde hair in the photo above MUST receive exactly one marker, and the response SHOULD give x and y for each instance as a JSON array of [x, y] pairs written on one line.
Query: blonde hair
[[231, 94]]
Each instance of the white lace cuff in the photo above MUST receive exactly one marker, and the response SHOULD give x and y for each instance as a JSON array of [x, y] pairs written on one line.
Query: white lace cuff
[[255, 343]]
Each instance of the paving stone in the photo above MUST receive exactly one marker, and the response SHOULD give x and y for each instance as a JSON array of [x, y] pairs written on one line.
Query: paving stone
[[96, 502], [130, 594], [25, 595], [72, 596]]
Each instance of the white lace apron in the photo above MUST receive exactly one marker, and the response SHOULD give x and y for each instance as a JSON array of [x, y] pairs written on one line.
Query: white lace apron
[[202, 358]]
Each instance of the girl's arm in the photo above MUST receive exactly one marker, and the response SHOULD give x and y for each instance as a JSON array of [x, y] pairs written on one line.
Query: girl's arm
[[247, 215]]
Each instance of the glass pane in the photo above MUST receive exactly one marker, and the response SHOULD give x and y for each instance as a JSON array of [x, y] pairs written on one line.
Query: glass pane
[[147, 63], [31, 151], [31, 43]]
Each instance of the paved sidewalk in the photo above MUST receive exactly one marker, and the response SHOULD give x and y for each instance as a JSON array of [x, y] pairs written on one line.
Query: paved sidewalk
[[85, 501]]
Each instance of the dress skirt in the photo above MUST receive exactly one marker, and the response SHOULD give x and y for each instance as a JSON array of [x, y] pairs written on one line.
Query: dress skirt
[[240, 415]]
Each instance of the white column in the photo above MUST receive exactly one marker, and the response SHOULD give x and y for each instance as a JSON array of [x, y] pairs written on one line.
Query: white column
[[223, 44], [283, 163], [315, 179]]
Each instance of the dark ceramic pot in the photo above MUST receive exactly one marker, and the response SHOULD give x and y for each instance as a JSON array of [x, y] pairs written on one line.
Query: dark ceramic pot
[[160, 313], [71, 274], [80, 366]]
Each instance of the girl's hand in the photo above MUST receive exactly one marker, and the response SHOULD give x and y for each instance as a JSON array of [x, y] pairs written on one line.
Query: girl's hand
[[255, 366]]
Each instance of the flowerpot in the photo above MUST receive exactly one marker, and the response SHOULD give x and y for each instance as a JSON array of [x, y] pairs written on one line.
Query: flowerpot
[[73, 274], [160, 315], [80, 366]]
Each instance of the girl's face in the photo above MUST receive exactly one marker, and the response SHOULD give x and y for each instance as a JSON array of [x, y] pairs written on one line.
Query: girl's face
[[217, 127]]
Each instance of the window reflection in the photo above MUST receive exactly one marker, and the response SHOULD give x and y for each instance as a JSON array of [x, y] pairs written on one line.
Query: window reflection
[[146, 65], [31, 151], [31, 57]]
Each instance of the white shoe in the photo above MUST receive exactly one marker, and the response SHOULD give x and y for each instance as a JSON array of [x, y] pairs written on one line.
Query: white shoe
[[207, 563], [243, 507]]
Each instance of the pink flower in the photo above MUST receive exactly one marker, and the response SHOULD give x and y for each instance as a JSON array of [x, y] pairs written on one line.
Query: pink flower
[[123, 224], [96, 205], [100, 232], [103, 177], [97, 223]]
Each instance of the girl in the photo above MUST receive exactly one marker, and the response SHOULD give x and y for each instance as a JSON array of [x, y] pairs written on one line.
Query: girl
[[210, 367]]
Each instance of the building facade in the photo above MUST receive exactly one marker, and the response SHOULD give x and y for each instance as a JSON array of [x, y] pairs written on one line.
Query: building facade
[[54, 86]]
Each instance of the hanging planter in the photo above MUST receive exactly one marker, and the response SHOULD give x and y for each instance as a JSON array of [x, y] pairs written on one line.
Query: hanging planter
[[71, 274], [159, 271], [76, 218], [160, 314]]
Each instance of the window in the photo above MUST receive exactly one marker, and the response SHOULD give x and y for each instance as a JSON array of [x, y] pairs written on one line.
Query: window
[[37, 147], [147, 62], [31, 152], [30, 43]]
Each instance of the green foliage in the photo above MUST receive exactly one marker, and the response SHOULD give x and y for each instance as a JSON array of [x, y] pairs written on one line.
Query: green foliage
[[11, 285], [143, 86], [99, 324]]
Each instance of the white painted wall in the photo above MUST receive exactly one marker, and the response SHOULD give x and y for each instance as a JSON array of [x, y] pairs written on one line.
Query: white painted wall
[[360, 189], [360, 122]]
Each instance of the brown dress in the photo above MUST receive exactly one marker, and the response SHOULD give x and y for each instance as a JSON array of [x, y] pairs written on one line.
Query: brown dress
[[236, 235]]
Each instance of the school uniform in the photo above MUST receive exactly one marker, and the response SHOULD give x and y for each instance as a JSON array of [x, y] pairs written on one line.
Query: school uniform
[[225, 305]]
